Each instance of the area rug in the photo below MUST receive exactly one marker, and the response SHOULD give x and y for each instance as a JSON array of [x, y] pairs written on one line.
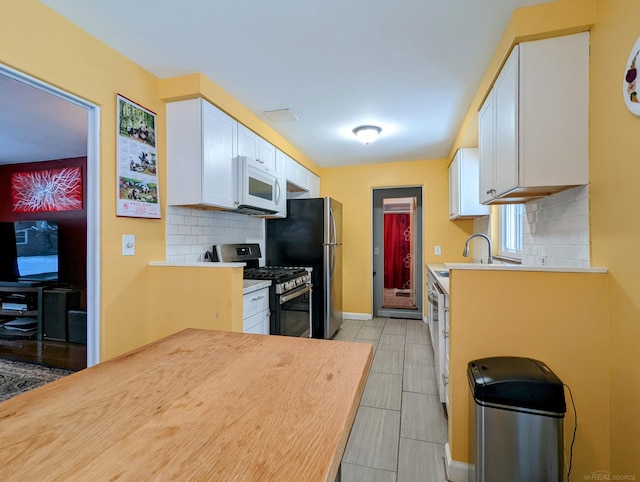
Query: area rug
[[19, 377]]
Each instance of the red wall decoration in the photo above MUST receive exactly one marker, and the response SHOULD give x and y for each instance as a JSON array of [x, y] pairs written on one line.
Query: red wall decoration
[[47, 190]]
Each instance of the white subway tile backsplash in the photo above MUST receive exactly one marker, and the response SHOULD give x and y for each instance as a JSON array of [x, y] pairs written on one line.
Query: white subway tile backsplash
[[555, 230], [191, 232]]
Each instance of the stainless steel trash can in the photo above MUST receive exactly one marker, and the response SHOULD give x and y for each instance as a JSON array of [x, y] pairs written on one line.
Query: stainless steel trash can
[[516, 415]]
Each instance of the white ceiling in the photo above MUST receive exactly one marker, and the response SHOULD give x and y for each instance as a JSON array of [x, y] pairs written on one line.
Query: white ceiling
[[37, 126], [411, 67]]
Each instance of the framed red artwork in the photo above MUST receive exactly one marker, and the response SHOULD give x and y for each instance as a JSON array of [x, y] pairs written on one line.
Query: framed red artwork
[[47, 190]]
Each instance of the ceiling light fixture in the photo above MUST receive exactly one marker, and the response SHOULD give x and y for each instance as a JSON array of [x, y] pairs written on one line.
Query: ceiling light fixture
[[367, 134]]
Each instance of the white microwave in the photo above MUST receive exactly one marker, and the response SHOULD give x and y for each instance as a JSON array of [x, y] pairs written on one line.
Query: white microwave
[[259, 191]]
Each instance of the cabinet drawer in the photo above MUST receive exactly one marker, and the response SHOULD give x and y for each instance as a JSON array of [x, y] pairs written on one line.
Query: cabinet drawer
[[258, 323], [255, 302]]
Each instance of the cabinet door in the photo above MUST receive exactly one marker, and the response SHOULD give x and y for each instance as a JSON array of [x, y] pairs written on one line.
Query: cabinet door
[[248, 143], [292, 171], [454, 187], [314, 185], [486, 147], [201, 142], [218, 150], [506, 134], [255, 148], [267, 154]]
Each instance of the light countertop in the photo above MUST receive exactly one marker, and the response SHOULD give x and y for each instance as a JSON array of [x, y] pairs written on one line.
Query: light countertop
[[444, 282], [200, 264], [522, 267], [250, 285]]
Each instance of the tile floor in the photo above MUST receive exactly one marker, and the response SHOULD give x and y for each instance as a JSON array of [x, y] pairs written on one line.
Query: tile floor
[[400, 428]]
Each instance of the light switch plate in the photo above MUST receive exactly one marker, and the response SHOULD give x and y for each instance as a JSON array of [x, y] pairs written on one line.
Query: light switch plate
[[437, 250], [128, 244]]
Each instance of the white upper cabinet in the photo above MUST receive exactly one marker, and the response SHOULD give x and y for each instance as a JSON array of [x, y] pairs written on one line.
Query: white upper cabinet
[[533, 126], [463, 186], [301, 182], [201, 144], [255, 148], [314, 185]]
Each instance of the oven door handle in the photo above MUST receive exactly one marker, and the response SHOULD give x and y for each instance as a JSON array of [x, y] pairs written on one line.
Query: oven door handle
[[294, 294]]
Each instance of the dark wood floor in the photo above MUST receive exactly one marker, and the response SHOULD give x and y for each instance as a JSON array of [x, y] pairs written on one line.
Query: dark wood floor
[[56, 354]]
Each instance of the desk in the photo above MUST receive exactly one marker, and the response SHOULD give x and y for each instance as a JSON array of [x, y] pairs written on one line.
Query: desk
[[197, 405]]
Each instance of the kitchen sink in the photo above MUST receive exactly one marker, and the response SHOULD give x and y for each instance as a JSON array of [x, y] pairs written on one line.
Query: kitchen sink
[[443, 274]]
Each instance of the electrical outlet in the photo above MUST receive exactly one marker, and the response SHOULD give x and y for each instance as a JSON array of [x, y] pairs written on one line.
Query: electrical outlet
[[437, 250]]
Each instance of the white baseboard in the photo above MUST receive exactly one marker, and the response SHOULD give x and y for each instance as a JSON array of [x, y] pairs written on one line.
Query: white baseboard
[[456, 471], [356, 316]]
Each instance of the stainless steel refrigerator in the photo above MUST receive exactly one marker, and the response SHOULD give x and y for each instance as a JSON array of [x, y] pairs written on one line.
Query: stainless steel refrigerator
[[311, 237]]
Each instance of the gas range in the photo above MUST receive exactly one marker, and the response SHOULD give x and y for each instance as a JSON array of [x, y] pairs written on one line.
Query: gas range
[[290, 293], [283, 278]]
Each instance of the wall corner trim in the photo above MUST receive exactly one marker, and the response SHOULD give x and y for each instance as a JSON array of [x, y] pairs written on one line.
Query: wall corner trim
[[455, 471]]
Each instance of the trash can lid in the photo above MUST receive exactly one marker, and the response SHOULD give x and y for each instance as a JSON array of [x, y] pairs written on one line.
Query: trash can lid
[[516, 382]]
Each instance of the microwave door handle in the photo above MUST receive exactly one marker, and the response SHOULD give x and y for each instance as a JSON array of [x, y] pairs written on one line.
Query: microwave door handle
[[278, 192]]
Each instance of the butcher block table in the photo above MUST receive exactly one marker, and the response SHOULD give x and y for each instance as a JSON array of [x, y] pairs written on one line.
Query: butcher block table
[[198, 405]]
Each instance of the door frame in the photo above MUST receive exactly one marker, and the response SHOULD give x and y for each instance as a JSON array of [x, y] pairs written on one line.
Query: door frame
[[376, 297], [93, 204]]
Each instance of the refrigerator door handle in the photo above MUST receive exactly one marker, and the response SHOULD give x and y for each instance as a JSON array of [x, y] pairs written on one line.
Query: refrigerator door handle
[[333, 261], [334, 238]]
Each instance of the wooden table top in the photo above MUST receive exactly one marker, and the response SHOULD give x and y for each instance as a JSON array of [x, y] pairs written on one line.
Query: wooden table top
[[198, 405]]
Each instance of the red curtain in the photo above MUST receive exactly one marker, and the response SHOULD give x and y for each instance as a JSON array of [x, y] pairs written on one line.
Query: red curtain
[[397, 250]]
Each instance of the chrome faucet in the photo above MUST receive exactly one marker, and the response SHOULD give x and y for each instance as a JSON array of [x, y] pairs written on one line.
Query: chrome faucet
[[465, 253]]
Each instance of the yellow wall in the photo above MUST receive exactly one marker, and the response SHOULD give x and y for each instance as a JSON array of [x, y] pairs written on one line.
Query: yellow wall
[[353, 185], [194, 297], [615, 230], [558, 318], [614, 177], [37, 41]]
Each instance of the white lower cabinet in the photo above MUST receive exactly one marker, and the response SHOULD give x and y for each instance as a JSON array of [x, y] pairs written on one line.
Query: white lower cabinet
[[255, 312], [442, 353], [258, 323]]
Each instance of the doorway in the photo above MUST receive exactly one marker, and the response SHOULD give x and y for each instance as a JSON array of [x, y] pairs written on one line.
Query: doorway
[[91, 142], [397, 252]]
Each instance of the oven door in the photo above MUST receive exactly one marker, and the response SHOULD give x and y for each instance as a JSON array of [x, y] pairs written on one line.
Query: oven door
[[294, 312]]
